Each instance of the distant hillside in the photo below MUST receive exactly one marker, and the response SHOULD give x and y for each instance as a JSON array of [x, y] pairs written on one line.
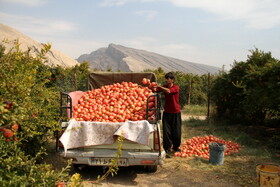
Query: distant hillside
[[117, 57], [54, 57]]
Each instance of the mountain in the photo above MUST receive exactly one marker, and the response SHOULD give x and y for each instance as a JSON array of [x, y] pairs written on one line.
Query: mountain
[[54, 57], [117, 57]]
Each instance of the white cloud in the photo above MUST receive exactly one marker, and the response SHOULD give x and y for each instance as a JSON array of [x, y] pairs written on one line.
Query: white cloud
[[258, 14], [26, 2], [148, 14], [31, 25], [121, 2], [179, 50], [140, 42], [114, 2]]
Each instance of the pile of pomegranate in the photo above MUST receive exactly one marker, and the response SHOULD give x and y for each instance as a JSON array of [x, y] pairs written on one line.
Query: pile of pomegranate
[[199, 146], [115, 103]]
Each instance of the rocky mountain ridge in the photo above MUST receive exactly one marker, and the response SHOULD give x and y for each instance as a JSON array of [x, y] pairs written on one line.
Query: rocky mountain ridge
[[120, 58], [54, 57], [114, 57]]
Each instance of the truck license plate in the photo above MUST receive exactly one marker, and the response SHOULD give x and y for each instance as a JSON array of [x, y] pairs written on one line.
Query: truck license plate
[[107, 161]]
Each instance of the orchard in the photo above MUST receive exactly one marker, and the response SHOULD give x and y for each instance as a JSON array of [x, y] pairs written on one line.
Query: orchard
[[28, 118], [249, 92], [199, 146]]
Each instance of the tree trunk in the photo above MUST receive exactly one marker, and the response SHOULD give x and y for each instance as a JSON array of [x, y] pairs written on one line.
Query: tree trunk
[[189, 93]]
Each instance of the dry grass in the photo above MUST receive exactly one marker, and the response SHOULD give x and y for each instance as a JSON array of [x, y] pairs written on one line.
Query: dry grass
[[195, 110], [240, 166]]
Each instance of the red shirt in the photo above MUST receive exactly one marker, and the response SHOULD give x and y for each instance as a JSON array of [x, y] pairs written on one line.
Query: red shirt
[[172, 104]]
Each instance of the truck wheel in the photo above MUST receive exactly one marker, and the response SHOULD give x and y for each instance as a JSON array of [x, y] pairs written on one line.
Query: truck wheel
[[151, 168], [77, 167]]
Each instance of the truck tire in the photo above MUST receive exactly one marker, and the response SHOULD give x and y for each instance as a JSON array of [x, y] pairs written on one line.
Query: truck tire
[[77, 167], [151, 168]]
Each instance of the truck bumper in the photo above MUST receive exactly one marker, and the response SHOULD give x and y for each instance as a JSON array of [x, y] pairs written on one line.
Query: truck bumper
[[105, 157]]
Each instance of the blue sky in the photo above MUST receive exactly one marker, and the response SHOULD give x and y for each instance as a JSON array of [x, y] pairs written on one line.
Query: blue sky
[[213, 32]]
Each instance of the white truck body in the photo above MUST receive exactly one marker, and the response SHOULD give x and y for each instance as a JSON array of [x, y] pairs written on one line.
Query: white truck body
[[133, 153]]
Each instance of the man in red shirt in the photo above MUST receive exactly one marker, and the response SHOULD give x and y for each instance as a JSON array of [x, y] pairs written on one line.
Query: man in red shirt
[[171, 119]]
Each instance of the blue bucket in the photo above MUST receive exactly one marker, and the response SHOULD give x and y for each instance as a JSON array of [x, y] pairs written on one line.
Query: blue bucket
[[216, 153]]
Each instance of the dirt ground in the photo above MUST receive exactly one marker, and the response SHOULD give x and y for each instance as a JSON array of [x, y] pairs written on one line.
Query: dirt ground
[[175, 172], [172, 173]]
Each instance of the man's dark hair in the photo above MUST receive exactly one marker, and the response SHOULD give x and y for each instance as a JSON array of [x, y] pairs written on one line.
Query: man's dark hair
[[169, 75]]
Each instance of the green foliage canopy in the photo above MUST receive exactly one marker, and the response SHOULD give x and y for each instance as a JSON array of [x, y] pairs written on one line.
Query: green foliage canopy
[[249, 93], [33, 106]]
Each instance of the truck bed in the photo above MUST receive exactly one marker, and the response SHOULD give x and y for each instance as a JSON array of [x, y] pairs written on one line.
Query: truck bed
[[94, 143]]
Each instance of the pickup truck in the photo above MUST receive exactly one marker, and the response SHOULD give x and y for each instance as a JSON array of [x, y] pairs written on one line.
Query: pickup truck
[[94, 143]]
